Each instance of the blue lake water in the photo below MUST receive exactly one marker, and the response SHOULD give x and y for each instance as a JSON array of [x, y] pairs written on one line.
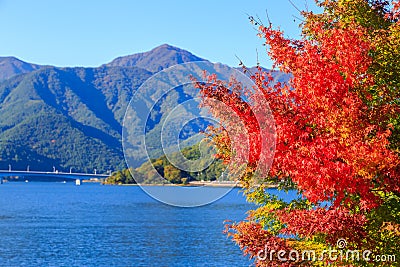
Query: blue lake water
[[55, 224]]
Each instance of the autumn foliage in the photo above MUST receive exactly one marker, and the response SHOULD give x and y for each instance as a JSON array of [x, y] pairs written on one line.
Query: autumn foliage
[[336, 124]]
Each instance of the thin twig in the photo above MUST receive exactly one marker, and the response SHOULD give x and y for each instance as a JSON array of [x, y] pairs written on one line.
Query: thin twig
[[291, 2], [269, 21], [240, 61], [260, 21], [306, 5], [251, 18], [302, 20], [245, 69], [258, 62]]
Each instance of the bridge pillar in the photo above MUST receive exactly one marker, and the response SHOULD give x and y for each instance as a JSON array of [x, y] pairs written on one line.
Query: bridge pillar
[[78, 181]]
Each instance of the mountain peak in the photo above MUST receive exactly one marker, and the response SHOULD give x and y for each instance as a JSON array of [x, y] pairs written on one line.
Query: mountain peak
[[11, 66], [166, 46], [158, 58]]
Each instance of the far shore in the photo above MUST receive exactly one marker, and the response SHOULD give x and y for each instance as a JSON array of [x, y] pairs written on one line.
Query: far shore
[[190, 184], [196, 184], [225, 184]]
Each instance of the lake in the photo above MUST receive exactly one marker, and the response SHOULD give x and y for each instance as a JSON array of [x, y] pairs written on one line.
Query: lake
[[56, 224]]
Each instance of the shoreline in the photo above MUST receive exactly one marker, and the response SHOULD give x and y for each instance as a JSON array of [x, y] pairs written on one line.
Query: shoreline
[[195, 184], [191, 184]]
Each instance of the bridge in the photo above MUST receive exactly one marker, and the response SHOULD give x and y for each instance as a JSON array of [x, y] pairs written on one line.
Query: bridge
[[78, 177]]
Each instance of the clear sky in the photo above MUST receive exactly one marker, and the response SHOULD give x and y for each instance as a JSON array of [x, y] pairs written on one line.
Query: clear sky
[[90, 32]]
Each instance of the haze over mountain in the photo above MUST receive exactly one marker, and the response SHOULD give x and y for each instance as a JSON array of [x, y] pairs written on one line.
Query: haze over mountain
[[72, 117]]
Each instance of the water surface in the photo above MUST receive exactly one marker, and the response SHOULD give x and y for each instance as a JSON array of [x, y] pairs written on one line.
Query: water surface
[[56, 224]]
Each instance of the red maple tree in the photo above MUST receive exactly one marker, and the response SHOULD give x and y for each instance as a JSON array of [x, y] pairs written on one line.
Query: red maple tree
[[334, 121]]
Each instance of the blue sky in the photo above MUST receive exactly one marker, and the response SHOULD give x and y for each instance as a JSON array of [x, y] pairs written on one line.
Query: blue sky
[[90, 33]]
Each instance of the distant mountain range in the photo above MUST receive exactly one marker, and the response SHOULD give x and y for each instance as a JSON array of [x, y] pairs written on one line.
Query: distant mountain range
[[72, 117]]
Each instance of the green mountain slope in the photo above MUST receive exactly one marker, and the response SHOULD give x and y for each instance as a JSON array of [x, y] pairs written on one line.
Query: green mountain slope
[[66, 117], [72, 117]]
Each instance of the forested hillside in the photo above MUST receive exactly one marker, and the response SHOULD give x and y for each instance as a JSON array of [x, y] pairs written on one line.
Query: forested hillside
[[72, 117]]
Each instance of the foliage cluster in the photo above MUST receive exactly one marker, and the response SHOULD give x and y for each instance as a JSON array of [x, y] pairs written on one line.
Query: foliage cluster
[[337, 135], [172, 174]]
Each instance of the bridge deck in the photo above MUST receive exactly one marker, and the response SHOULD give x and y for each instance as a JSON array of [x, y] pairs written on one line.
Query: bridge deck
[[67, 175]]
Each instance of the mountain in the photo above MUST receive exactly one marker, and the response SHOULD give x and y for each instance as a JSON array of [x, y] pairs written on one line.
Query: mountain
[[11, 66], [73, 117], [157, 59], [66, 117]]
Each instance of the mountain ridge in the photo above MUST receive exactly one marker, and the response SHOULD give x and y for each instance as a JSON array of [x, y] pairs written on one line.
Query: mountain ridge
[[11, 66], [157, 59], [72, 116]]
